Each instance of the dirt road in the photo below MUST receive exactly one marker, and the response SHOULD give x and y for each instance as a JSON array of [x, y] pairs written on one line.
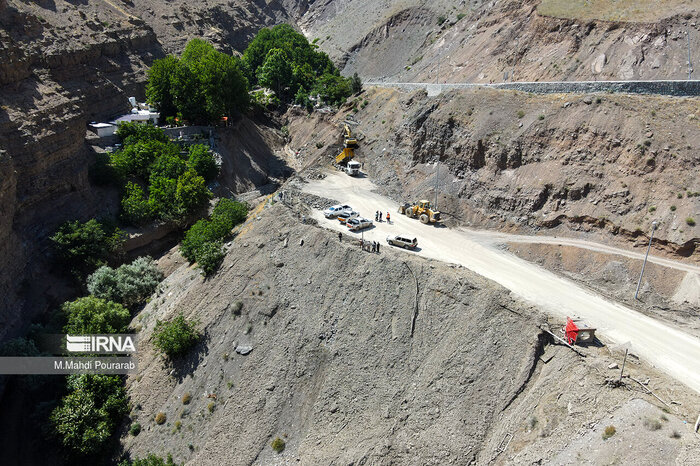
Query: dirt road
[[664, 346]]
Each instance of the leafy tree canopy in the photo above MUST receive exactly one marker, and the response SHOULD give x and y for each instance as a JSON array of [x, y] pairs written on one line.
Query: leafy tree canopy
[[94, 315]]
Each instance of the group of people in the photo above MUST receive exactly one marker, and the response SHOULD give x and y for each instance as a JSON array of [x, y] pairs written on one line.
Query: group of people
[[378, 217], [369, 246]]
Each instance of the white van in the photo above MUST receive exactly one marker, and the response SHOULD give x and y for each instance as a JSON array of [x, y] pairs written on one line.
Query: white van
[[353, 168]]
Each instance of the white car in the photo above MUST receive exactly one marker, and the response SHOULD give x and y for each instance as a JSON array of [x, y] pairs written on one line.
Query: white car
[[335, 210], [402, 241], [353, 168], [359, 223], [345, 216]]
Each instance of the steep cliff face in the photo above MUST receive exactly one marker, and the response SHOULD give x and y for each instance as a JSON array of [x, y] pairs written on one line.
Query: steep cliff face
[[58, 71]]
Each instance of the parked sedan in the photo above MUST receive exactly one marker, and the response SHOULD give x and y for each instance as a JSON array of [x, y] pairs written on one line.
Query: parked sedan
[[345, 216], [359, 223], [402, 241], [335, 210]]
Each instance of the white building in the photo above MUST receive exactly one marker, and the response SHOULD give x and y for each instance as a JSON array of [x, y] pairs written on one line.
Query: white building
[[103, 130]]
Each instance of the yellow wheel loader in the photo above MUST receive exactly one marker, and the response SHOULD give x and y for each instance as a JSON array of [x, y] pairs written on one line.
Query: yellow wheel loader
[[421, 211]]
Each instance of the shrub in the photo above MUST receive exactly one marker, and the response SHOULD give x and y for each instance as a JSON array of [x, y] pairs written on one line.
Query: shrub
[[521, 113], [136, 158], [135, 429], [129, 284], [199, 234], [278, 445], [690, 221], [609, 432], [652, 209], [673, 208], [460, 16], [86, 418], [83, 247], [186, 398], [169, 165], [202, 161], [237, 307], [210, 256], [440, 20], [94, 315], [150, 460], [176, 337], [356, 84], [541, 117], [230, 211], [160, 418], [652, 424], [211, 406], [675, 434]]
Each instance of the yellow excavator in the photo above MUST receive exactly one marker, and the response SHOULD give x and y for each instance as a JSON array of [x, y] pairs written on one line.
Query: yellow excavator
[[350, 143], [421, 211]]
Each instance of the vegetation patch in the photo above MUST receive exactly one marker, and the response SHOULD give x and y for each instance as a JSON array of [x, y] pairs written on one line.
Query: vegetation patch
[[278, 445], [176, 337], [609, 432], [614, 10], [129, 284], [83, 247], [160, 418]]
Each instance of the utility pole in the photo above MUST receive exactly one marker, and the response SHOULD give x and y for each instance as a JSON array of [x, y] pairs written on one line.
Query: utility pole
[[437, 178], [651, 238], [690, 65]]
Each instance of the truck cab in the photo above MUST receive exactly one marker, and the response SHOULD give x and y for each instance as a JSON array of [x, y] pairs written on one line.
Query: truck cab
[[353, 168]]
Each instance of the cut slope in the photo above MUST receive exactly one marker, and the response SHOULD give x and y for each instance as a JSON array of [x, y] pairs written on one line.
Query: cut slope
[[642, 11]]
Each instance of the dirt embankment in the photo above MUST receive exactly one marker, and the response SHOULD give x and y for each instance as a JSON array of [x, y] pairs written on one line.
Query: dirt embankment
[[602, 165], [358, 357]]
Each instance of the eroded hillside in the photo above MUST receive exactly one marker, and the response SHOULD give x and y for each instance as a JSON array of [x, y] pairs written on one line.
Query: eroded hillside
[[603, 163]]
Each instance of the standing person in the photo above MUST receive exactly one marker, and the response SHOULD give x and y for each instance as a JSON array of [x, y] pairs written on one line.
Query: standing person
[[380, 216], [376, 215], [388, 218], [340, 237], [377, 247]]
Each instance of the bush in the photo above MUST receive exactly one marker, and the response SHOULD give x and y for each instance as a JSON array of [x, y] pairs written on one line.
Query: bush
[[237, 308], [652, 209], [129, 284], [200, 233], [135, 429], [186, 398], [18, 347], [673, 208], [356, 84], [278, 445], [609, 432], [176, 337], [652, 424], [440, 20], [229, 212], [136, 158], [87, 417], [210, 256], [690, 221], [160, 418], [202, 161], [150, 460], [83, 247], [94, 315], [211, 406], [191, 191], [521, 113]]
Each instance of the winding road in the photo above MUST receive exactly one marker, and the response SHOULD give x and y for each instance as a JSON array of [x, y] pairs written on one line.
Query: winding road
[[664, 346]]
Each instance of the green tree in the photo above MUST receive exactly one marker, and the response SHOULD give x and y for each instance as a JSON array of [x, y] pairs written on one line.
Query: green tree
[[130, 133], [162, 197], [176, 337], [356, 84], [168, 165], [275, 72], [135, 159], [188, 94], [82, 247], [87, 417], [202, 161], [94, 315], [191, 191], [159, 90], [224, 85], [230, 211], [129, 284], [198, 234], [332, 88], [135, 206]]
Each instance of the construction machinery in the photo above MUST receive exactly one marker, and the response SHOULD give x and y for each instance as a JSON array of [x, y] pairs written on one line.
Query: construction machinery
[[349, 145], [421, 211]]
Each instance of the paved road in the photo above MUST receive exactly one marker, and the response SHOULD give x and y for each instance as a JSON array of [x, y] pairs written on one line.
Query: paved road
[[660, 87], [664, 346]]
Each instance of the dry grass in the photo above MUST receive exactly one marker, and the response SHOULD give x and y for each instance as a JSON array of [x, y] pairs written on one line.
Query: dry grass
[[641, 11]]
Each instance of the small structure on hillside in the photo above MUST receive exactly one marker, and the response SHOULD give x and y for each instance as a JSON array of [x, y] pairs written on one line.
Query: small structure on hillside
[[140, 113]]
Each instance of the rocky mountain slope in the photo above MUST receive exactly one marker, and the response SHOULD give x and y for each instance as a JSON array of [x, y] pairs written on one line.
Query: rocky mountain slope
[[508, 40], [599, 164], [366, 359]]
